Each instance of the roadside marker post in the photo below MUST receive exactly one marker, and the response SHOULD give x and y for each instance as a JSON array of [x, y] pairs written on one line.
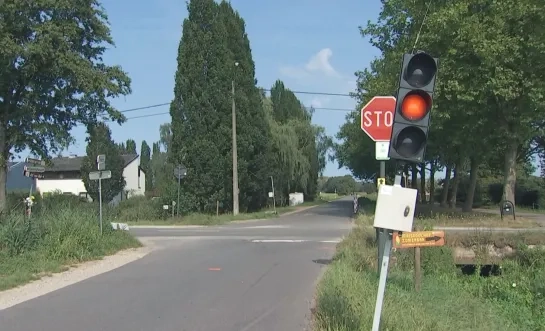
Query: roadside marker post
[[394, 212]]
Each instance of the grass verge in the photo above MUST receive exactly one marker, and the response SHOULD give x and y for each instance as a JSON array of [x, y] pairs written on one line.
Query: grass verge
[[211, 219], [448, 301], [51, 242]]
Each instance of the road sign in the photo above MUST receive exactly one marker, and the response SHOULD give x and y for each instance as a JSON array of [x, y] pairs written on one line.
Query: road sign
[[180, 171], [34, 169], [419, 239], [381, 150], [35, 161], [377, 117], [96, 175], [101, 162]]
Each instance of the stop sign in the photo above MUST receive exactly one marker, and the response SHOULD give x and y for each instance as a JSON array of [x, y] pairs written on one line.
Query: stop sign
[[377, 117]]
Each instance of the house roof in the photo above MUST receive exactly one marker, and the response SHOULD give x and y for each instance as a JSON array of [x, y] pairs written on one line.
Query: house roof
[[61, 164]]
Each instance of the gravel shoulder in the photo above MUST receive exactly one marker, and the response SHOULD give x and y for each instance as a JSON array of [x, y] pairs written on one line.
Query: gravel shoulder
[[73, 275]]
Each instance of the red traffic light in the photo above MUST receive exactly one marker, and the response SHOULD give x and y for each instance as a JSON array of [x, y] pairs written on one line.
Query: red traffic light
[[415, 106]]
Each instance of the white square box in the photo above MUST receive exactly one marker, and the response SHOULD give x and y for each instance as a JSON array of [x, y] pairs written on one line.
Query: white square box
[[395, 208]]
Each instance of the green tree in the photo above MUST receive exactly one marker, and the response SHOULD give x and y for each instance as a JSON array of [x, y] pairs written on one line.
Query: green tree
[[130, 146], [99, 142], [53, 76], [145, 163], [253, 133], [201, 121]]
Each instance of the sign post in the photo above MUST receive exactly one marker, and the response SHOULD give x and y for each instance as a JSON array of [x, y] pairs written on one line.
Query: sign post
[[34, 170], [394, 212], [179, 172], [377, 117], [100, 175]]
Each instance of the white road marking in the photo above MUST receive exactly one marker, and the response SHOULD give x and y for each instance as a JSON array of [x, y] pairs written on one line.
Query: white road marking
[[294, 241], [267, 227], [278, 241]]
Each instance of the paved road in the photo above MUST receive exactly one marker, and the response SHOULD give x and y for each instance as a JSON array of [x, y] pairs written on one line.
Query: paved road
[[241, 277]]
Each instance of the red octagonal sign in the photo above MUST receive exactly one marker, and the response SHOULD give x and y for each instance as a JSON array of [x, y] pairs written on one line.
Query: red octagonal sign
[[377, 117]]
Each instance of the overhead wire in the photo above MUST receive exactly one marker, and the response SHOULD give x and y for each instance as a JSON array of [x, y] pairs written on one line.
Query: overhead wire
[[267, 90]]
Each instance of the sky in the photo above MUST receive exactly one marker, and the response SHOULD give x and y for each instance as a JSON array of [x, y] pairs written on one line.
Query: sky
[[311, 45]]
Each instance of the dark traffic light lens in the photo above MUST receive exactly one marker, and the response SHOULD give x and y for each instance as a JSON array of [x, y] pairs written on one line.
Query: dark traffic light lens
[[420, 70], [410, 141]]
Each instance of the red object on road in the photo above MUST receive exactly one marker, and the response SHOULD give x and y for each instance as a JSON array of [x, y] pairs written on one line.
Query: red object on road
[[377, 117]]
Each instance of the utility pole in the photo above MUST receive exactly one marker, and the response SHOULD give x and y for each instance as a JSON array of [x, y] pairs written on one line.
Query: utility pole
[[235, 158]]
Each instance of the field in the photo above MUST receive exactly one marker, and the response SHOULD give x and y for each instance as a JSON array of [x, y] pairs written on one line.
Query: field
[[451, 298], [51, 241], [142, 211]]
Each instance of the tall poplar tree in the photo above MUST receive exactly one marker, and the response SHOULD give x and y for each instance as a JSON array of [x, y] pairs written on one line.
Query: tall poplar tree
[[201, 126]]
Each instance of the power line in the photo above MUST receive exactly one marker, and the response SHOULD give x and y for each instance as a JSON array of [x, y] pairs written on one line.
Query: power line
[[317, 93], [267, 90], [166, 113]]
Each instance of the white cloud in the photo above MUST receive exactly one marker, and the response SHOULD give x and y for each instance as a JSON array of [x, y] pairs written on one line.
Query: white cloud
[[318, 64]]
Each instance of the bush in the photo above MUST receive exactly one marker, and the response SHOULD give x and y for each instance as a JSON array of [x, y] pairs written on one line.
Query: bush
[[51, 239], [139, 208]]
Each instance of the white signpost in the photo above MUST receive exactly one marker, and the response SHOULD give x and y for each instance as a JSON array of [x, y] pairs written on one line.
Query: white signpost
[[100, 175], [394, 211]]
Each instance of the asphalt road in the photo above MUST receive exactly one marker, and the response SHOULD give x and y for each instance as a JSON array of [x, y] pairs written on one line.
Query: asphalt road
[[240, 277]]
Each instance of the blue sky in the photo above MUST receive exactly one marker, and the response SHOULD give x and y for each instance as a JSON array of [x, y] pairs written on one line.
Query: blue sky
[[312, 45]]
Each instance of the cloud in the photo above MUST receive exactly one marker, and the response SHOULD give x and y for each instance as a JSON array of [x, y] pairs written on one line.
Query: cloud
[[318, 64]]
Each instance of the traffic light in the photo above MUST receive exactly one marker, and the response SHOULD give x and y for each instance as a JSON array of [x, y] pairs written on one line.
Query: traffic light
[[413, 106]]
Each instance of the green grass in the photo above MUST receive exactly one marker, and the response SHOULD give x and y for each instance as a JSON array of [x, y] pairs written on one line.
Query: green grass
[[52, 241], [427, 216], [212, 219], [448, 300]]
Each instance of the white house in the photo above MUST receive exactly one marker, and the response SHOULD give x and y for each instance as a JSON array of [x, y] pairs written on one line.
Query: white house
[[65, 176]]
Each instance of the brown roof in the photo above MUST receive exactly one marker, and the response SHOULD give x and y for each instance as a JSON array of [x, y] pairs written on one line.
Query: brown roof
[[61, 164]]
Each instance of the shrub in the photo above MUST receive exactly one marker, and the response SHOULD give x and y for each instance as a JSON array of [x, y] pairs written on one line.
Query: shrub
[[52, 238]]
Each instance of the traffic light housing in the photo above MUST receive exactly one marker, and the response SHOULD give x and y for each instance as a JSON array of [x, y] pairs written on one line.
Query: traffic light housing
[[413, 107]]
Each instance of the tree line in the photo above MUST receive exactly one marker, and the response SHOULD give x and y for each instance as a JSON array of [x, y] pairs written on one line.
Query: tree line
[[487, 120], [46, 90]]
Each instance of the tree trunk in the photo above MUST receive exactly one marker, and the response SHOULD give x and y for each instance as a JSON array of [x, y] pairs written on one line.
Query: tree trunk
[[446, 186], [423, 183], [510, 172], [455, 184], [414, 176], [468, 204], [432, 182], [4, 158]]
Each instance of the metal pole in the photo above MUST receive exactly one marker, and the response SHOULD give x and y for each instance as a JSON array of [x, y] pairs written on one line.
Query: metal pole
[[100, 201], [235, 161], [178, 202], [274, 195], [381, 234], [382, 281]]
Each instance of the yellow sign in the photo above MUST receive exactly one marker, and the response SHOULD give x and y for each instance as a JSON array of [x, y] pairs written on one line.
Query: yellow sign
[[419, 239], [381, 181]]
